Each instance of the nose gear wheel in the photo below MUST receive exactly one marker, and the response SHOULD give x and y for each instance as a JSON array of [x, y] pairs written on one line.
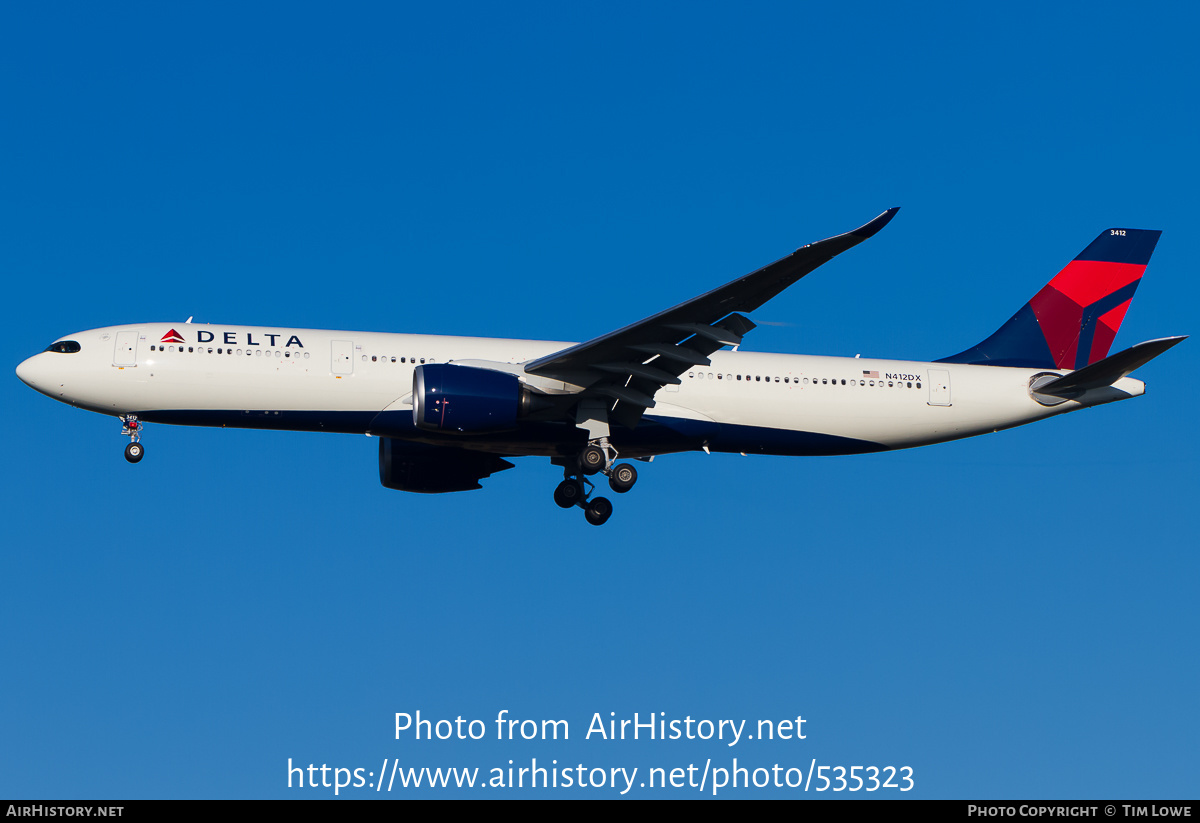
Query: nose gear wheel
[[131, 428]]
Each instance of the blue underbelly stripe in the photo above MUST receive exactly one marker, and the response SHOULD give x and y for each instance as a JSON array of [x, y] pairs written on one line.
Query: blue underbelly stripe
[[655, 435]]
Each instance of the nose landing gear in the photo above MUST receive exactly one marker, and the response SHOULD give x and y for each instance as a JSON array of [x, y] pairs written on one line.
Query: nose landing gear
[[131, 428]]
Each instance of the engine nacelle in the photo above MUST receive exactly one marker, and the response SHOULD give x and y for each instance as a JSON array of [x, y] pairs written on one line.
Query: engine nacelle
[[418, 467], [467, 400]]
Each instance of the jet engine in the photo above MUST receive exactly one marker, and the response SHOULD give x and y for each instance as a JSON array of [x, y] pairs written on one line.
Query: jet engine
[[419, 467], [468, 400]]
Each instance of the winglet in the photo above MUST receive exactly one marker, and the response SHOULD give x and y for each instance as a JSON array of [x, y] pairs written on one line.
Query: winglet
[[870, 229]]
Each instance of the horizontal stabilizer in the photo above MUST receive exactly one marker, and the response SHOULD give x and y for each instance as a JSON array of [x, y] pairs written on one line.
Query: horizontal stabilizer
[[1109, 370]]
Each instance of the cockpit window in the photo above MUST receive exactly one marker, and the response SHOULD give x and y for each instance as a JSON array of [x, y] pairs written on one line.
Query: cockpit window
[[64, 347]]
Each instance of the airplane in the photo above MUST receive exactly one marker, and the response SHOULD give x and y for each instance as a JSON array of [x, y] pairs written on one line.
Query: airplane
[[448, 411]]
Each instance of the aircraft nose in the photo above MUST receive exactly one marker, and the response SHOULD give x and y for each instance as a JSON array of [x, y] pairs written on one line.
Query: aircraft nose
[[25, 371], [35, 373]]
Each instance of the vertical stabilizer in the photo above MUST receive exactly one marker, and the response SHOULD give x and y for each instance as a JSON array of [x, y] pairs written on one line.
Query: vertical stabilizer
[[1072, 321]]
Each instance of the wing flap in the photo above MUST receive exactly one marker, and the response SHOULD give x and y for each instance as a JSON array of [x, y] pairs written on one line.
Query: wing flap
[[664, 378]]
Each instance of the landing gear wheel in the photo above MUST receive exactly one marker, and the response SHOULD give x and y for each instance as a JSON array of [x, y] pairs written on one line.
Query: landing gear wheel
[[592, 459], [568, 493], [622, 478], [598, 511], [134, 452]]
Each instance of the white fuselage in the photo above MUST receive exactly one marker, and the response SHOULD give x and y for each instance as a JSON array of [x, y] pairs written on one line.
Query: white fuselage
[[318, 380]]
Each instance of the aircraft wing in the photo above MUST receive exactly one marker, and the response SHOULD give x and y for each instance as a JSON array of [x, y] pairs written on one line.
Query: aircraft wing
[[629, 365]]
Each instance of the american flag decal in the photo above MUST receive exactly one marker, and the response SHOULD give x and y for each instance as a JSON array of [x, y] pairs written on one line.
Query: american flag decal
[[870, 374]]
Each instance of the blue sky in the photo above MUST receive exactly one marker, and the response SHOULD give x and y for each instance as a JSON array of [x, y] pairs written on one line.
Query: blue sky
[[1010, 616]]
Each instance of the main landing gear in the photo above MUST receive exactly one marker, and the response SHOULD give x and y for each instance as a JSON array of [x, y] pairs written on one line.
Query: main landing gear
[[576, 488], [131, 428]]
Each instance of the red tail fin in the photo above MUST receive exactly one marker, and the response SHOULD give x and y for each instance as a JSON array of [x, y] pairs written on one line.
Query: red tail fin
[[1072, 321]]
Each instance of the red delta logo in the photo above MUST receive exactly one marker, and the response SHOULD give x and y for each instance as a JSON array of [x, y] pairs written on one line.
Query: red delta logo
[[172, 337]]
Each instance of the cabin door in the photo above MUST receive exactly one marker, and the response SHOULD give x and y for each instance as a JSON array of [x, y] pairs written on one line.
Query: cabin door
[[939, 387], [125, 353], [343, 356]]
